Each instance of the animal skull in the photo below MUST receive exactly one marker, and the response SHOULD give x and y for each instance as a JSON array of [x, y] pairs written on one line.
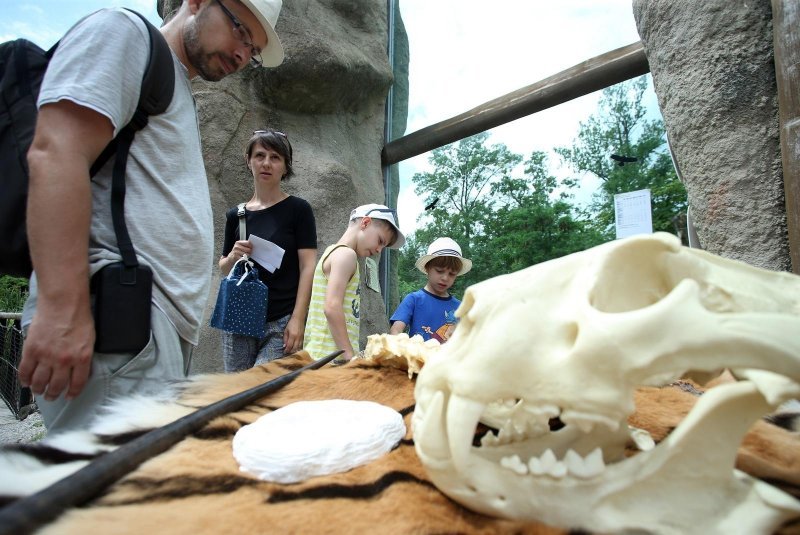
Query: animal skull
[[572, 338]]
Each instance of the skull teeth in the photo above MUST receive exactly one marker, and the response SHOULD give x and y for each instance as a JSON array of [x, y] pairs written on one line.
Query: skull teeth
[[549, 465], [642, 439], [586, 422]]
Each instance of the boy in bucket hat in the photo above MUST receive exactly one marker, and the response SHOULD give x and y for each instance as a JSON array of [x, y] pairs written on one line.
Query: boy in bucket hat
[[430, 311], [334, 313]]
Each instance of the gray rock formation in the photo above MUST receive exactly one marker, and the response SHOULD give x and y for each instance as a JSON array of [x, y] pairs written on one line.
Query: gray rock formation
[[329, 96], [712, 67]]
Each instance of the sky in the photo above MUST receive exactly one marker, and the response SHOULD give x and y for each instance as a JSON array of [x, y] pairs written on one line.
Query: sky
[[45, 21], [463, 53]]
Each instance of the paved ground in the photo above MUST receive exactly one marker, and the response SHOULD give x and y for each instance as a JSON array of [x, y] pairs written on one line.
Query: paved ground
[[13, 431]]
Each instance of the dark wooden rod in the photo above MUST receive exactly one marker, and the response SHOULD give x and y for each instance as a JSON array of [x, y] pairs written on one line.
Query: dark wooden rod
[[584, 78], [786, 37]]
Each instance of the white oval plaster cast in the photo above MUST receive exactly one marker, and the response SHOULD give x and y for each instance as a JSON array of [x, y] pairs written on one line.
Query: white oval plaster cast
[[315, 438]]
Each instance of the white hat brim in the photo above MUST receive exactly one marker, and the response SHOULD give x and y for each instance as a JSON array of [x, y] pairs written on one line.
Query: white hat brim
[[273, 54]]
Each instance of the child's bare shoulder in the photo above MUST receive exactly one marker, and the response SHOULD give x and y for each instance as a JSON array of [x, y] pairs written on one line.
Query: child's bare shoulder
[[341, 260], [343, 253]]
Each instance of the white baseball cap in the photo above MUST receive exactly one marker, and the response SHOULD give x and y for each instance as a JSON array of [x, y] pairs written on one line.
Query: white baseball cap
[[267, 11], [443, 247], [380, 211]]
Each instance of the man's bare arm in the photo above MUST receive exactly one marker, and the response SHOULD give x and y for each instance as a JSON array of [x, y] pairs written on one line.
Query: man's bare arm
[[58, 349]]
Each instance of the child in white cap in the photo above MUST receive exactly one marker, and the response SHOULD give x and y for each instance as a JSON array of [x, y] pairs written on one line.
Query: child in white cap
[[430, 311], [333, 316]]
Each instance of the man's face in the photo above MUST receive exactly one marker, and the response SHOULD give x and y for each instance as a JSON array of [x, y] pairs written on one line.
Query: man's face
[[213, 45]]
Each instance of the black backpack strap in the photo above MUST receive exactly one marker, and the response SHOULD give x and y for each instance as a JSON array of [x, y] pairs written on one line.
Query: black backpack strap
[[158, 85]]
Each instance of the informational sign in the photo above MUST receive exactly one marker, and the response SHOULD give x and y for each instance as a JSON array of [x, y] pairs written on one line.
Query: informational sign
[[633, 213], [371, 274]]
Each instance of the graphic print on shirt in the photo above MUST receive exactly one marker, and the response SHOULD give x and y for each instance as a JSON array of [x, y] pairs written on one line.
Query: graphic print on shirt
[[355, 304], [443, 333]]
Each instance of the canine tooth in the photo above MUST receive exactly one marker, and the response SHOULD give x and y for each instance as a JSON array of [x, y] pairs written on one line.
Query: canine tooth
[[515, 464], [642, 439], [431, 427], [593, 463], [462, 417]]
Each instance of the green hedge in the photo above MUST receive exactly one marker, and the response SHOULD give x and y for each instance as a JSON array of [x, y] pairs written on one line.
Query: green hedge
[[13, 292]]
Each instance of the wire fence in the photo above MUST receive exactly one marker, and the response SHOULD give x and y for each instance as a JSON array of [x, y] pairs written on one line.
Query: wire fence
[[19, 399]]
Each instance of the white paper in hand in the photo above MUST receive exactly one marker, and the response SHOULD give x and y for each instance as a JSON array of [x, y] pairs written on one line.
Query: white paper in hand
[[266, 253]]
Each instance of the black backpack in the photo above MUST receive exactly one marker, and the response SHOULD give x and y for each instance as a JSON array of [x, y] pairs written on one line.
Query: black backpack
[[22, 68]]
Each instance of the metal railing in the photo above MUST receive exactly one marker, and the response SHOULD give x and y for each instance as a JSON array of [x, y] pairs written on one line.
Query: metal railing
[[19, 399]]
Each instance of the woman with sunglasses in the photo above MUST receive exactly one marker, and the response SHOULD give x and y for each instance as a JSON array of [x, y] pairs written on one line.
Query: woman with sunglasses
[[288, 222]]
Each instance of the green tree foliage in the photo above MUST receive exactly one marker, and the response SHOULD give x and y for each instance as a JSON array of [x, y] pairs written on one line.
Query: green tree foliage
[[508, 214], [620, 127], [533, 222], [502, 222], [13, 292], [457, 187]]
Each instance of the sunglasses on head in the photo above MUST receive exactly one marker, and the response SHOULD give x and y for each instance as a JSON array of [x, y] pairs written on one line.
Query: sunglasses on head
[[281, 134], [270, 132]]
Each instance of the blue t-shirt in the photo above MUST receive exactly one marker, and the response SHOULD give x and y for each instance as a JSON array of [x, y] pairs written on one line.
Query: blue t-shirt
[[428, 315]]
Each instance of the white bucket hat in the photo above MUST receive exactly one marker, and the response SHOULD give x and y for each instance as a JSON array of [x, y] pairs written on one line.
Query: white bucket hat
[[380, 211], [444, 247], [267, 11]]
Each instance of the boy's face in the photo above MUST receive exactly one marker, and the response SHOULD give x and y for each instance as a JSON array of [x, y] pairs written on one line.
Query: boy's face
[[373, 237], [440, 279]]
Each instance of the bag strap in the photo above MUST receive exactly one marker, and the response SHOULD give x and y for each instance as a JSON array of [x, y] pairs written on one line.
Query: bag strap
[[240, 212], [248, 268], [157, 88]]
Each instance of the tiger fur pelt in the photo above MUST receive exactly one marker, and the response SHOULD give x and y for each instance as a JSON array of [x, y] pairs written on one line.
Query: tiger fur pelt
[[197, 487]]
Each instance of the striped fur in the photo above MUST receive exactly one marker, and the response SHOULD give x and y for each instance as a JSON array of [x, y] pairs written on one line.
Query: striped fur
[[196, 486]]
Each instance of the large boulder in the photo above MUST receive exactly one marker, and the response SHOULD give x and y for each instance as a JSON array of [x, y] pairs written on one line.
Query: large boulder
[[713, 71], [329, 97]]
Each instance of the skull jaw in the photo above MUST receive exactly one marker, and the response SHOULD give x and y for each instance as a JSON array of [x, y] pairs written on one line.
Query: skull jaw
[[687, 483]]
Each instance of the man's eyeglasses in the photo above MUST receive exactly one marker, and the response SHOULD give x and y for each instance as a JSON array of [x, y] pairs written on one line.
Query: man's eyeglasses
[[241, 33]]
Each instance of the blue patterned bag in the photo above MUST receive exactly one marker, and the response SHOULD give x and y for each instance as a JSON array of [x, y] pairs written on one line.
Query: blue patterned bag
[[241, 302]]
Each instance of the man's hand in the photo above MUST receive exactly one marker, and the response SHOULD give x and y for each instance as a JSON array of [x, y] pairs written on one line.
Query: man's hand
[[57, 353]]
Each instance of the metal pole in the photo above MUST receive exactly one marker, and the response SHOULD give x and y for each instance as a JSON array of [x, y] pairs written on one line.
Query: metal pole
[[584, 78], [786, 37]]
